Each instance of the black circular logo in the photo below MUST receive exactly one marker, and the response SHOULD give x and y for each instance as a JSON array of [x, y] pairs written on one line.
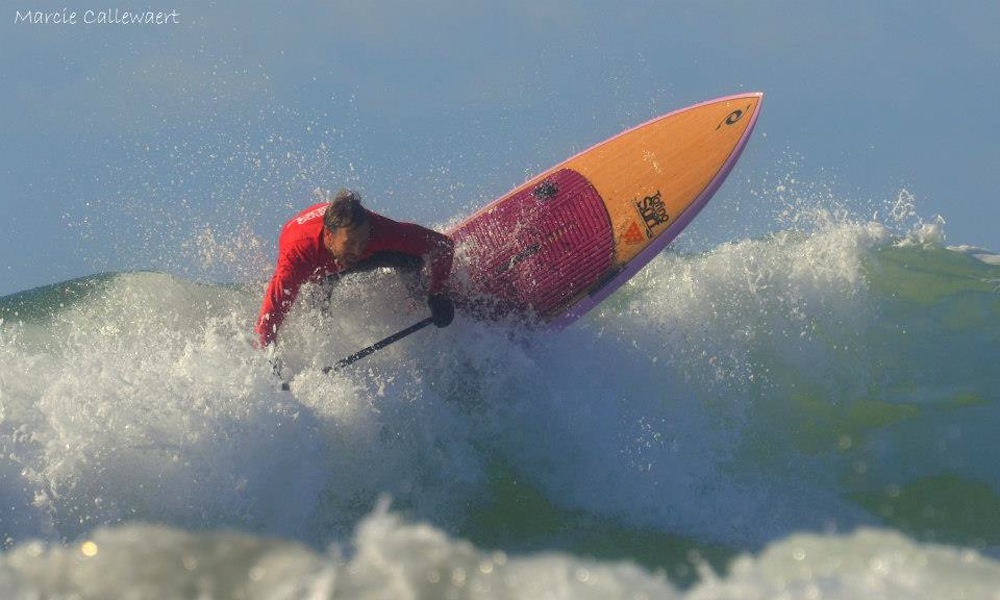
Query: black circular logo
[[546, 190]]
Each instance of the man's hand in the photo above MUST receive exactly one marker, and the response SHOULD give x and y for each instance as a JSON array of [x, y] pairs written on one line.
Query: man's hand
[[442, 309]]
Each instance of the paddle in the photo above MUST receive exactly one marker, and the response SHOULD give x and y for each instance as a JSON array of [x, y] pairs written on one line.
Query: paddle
[[373, 348], [379, 345]]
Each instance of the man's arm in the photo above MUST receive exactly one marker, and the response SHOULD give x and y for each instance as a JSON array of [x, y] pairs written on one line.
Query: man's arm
[[436, 249], [440, 257], [289, 275], [439, 251]]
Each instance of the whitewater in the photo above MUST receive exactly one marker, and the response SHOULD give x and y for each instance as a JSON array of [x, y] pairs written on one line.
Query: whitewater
[[807, 414]]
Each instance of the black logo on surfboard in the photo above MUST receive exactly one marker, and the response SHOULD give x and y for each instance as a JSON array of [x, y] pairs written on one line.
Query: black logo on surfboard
[[733, 117], [545, 190], [653, 212]]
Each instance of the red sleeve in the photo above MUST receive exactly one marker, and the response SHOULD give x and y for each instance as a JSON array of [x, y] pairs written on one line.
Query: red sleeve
[[440, 255], [437, 248], [289, 275]]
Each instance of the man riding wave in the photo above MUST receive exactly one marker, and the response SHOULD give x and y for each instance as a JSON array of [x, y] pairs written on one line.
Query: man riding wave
[[329, 239]]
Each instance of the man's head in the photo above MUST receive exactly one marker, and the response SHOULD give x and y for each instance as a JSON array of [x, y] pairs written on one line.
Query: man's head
[[345, 228]]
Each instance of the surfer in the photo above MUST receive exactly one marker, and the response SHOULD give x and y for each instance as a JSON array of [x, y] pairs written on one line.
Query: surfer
[[329, 239]]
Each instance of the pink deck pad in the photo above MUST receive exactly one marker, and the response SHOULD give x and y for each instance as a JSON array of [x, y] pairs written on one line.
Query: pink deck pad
[[537, 249]]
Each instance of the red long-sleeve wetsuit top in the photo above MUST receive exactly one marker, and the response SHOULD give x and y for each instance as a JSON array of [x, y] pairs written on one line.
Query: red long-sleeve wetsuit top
[[303, 257]]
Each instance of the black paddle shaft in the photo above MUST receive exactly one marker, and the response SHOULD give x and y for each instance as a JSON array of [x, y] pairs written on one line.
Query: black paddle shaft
[[379, 345], [371, 349]]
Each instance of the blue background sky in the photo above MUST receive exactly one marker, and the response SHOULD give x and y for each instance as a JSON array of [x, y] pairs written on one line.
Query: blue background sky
[[183, 147]]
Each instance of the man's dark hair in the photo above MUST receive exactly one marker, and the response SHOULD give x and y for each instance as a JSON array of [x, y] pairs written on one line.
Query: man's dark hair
[[345, 211]]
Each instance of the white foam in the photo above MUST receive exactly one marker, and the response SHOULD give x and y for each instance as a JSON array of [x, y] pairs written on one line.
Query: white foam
[[389, 557], [980, 254], [866, 564], [140, 406]]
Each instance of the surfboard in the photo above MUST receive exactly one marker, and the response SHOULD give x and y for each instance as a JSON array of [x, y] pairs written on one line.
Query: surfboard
[[559, 244]]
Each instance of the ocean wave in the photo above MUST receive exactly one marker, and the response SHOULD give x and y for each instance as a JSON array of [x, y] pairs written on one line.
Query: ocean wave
[[808, 381]]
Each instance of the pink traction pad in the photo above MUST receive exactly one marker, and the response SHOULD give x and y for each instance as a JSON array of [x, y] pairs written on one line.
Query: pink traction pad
[[536, 250]]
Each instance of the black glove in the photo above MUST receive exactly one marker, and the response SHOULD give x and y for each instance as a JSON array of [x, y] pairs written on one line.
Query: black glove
[[442, 309]]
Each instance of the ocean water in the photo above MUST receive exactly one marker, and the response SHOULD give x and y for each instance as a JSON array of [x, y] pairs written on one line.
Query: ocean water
[[810, 414]]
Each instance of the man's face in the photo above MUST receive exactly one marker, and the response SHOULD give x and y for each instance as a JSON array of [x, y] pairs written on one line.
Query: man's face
[[347, 244]]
